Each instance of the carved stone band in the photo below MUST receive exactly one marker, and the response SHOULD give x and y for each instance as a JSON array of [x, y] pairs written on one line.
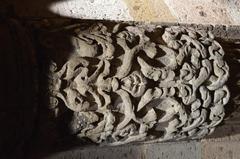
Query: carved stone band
[[128, 83]]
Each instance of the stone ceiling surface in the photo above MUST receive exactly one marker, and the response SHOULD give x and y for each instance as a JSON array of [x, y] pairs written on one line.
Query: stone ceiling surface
[[179, 11]]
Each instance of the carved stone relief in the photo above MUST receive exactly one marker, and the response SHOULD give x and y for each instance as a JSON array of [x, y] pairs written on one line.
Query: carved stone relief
[[128, 83]]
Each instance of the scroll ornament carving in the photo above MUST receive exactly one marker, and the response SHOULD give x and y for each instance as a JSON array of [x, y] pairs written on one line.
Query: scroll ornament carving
[[125, 85]]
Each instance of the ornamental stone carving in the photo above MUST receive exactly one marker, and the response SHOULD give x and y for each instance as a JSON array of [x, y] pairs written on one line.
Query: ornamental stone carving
[[128, 83]]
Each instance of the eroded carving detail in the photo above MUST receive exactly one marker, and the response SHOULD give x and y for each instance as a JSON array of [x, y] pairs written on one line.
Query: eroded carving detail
[[124, 85]]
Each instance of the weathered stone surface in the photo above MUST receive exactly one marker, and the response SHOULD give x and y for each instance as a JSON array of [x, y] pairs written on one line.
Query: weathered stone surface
[[179, 150], [128, 82], [220, 150], [176, 11]]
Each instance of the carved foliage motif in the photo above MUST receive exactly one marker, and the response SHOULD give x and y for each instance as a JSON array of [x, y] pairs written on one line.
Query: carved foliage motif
[[125, 85]]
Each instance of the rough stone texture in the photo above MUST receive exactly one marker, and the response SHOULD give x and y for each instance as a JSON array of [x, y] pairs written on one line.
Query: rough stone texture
[[179, 150], [204, 11], [220, 150], [150, 10], [92, 9], [181, 11]]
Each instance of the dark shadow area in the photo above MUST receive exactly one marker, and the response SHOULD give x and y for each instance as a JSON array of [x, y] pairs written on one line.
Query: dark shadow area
[[17, 94], [27, 129], [31, 9]]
